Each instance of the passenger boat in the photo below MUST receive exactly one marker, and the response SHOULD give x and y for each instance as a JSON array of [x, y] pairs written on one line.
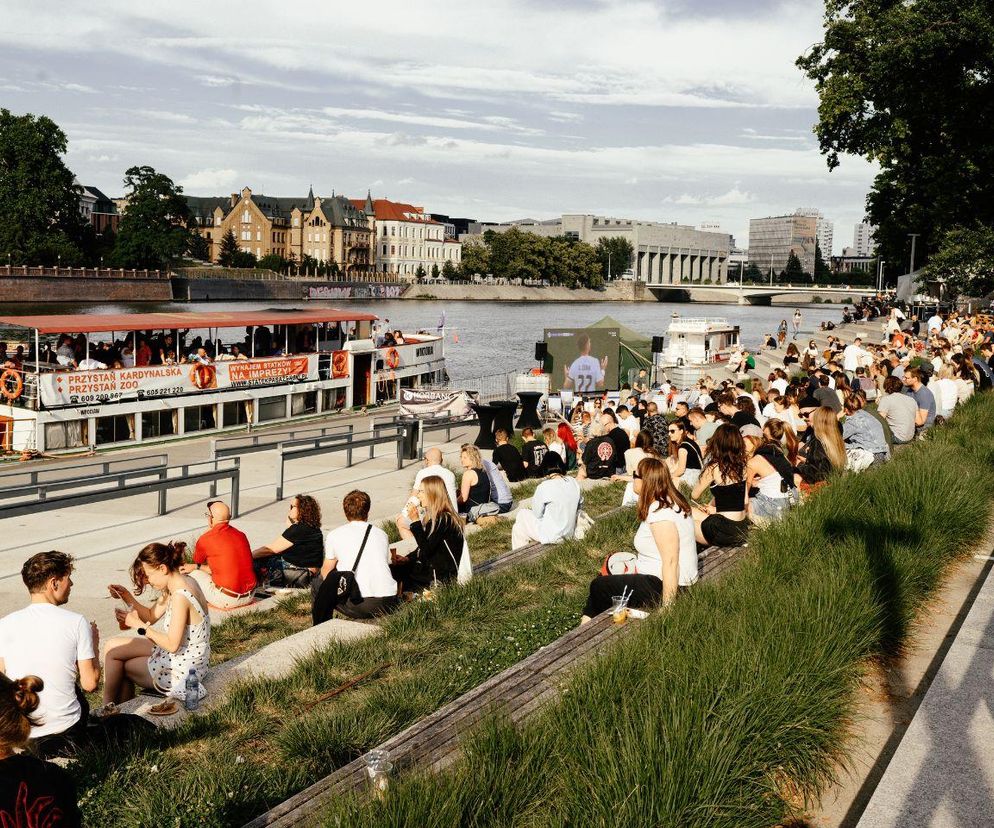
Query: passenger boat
[[253, 367], [696, 345]]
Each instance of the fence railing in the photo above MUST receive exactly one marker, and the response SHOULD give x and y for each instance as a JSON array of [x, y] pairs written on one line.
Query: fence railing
[[27, 271], [488, 387]]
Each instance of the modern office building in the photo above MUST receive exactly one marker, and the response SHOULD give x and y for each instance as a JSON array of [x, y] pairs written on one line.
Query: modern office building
[[774, 238], [825, 231], [862, 239], [662, 253]]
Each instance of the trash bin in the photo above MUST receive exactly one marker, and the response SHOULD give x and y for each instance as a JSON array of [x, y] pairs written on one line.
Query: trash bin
[[412, 438]]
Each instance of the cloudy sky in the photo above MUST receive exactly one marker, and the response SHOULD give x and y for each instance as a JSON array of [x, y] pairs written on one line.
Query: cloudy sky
[[670, 110]]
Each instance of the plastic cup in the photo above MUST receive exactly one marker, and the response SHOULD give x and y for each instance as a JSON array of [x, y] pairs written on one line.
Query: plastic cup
[[619, 609], [378, 768]]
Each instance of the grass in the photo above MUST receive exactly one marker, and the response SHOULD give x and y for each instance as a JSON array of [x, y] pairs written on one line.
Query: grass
[[270, 738], [735, 707]]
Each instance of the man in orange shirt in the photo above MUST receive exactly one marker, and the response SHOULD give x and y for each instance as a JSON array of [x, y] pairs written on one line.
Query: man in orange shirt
[[222, 561]]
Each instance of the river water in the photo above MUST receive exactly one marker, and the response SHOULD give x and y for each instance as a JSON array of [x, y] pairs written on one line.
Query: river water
[[493, 337]]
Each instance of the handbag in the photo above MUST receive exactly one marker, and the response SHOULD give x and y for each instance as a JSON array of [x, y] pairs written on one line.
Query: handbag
[[464, 566], [348, 587], [584, 523]]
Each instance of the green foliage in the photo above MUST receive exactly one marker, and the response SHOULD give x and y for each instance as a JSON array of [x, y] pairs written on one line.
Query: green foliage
[[752, 273], [620, 250], [450, 272], [965, 259], [794, 272], [518, 255], [734, 707], [40, 220], [228, 250], [435, 272], [419, 272], [822, 272], [273, 261], [475, 259], [908, 86], [198, 247], [153, 231]]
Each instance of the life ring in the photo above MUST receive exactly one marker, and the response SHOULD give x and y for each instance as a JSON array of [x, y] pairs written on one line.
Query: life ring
[[11, 384], [393, 358], [203, 376], [536, 372]]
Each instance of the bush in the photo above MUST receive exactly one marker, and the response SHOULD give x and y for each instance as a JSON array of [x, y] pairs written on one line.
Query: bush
[[732, 708]]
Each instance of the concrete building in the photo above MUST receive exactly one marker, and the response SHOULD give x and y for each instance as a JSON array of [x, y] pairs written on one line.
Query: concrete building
[[774, 238], [662, 253], [98, 210], [825, 231], [851, 261], [862, 239], [405, 237], [328, 230]]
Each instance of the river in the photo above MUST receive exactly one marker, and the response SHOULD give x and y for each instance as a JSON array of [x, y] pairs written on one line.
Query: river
[[492, 337]]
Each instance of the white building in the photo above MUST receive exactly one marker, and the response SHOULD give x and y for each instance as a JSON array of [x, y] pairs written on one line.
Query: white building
[[406, 237], [824, 231], [862, 239]]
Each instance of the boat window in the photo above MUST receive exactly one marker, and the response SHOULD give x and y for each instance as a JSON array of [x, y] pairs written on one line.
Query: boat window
[[71, 434], [272, 408], [235, 414], [198, 418], [306, 403], [115, 429], [158, 423]]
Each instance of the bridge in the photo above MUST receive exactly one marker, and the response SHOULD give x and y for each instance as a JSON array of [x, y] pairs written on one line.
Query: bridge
[[750, 294]]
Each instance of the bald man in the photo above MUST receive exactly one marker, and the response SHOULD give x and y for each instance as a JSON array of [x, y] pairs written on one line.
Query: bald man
[[222, 561], [432, 468]]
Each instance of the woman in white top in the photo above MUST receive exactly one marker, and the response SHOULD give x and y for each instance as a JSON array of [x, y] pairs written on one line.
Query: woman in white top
[[966, 382], [944, 389], [158, 659], [666, 550]]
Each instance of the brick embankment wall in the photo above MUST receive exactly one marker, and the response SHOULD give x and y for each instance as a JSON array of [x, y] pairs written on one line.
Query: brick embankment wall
[[38, 289]]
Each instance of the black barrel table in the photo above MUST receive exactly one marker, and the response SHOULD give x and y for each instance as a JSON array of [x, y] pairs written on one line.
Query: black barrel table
[[485, 413], [504, 416], [529, 409]]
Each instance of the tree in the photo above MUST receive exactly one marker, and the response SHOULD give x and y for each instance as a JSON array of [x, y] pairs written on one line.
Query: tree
[[153, 231], [823, 273], [794, 272], [420, 273], [228, 249], [243, 259], [475, 259], [40, 221], [450, 272], [272, 261], [965, 259], [620, 250], [434, 271], [908, 86], [753, 273], [198, 247]]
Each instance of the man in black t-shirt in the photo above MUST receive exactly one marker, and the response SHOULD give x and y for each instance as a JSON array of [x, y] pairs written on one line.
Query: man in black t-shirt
[[618, 436], [599, 458], [533, 453], [507, 458]]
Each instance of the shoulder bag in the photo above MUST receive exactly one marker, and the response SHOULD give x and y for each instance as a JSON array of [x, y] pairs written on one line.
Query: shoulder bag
[[348, 587]]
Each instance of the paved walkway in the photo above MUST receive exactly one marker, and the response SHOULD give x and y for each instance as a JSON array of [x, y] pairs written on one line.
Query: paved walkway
[[105, 537], [942, 774]]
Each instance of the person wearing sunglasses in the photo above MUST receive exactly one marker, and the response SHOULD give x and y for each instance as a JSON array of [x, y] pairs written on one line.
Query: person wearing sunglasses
[[685, 460], [295, 557]]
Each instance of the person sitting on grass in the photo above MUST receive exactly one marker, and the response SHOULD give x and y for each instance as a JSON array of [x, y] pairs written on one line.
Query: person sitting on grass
[[723, 522], [438, 530], [433, 467], [294, 558], [32, 792], [363, 549], [222, 561], [500, 492], [599, 459], [685, 459], [474, 490], [568, 439], [823, 451], [552, 444], [555, 504], [666, 552], [508, 458], [159, 660], [862, 431], [533, 451]]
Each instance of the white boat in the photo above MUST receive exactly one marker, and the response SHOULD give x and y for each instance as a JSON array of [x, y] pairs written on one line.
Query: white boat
[[696, 345], [293, 364]]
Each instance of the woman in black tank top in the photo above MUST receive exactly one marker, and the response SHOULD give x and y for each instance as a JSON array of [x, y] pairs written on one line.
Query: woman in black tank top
[[725, 521], [685, 461], [474, 490]]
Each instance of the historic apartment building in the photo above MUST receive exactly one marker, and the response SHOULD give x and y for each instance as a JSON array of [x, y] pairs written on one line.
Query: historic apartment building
[[406, 237], [328, 230], [774, 238]]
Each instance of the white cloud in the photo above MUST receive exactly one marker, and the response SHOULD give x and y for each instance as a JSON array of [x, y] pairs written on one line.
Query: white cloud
[[734, 196], [210, 181]]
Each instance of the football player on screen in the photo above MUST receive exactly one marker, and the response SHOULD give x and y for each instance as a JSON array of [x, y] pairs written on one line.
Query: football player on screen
[[586, 373]]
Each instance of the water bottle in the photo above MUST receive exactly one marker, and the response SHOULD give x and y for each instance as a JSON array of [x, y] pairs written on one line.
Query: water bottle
[[192, 702]]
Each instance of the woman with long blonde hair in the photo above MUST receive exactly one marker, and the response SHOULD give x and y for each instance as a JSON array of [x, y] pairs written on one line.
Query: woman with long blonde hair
[[666, 551], [438, 530], [824, 452]]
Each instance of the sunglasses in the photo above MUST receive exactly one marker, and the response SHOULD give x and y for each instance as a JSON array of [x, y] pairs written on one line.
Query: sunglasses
[[636, 476]]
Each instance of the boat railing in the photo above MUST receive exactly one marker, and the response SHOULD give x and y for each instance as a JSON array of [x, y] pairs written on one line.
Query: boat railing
[[700, 323], [488, 387]]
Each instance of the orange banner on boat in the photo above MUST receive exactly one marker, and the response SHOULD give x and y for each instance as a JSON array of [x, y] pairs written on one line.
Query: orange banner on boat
[[269, 371]]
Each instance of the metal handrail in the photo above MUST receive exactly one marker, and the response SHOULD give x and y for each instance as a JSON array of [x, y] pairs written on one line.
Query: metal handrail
[[229, 446]]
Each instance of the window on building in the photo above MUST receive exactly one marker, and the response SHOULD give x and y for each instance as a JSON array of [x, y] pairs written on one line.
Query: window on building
[[296, 222], [246, 218], [258, 235], [246, 235]]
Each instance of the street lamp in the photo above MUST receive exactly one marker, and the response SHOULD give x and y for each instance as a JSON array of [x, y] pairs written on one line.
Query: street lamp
[[914, 237]]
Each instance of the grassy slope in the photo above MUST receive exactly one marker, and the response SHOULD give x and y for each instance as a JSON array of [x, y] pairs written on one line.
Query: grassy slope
[[288, 738], [733, 707]]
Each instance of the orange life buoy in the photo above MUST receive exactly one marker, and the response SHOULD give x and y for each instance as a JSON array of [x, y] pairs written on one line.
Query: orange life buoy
[[393, 358], [11, 384]]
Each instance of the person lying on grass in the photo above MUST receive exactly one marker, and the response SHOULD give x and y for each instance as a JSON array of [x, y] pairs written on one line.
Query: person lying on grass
[[155, 659], [666, 552]]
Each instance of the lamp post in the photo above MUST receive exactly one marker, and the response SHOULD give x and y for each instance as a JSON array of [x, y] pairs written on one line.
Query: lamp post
[[914, 238]]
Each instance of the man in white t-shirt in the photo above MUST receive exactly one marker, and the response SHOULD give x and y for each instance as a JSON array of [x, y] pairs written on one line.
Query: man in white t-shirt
[[372, 573], [57, 645], [552, 516], [629, 422], [586, 373], [854, 355], [432, 468]]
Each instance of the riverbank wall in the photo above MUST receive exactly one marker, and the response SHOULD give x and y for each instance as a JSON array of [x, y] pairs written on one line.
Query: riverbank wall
[[34, 285]]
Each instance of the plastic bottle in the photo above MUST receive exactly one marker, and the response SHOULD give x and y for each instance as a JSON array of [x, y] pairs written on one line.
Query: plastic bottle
[[192, 701]]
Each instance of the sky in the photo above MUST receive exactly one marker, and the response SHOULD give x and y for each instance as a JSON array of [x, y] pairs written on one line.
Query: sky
[[686, 111]]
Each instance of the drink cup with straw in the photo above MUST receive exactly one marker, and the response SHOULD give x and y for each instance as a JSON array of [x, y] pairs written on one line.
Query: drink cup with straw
[[619, 606]]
